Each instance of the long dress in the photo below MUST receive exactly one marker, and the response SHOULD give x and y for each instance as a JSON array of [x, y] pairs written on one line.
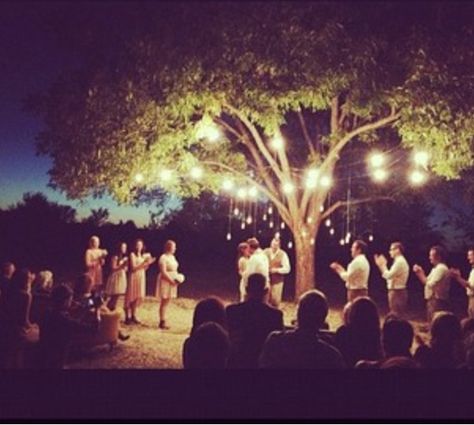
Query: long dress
[[94, 265], [117, 281], [137, 284], [242, 265], [164, 289]]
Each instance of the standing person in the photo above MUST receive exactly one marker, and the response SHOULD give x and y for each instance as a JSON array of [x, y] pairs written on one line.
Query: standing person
[[243, 258], [469, 283], [279, 264], [257, 263], [94, 260], [396, 277], [8, 269], [167, 281], [117, 281], [357, 274], [436, 283], [136, 289]]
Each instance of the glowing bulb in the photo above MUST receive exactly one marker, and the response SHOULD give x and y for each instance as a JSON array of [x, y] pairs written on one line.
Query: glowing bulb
[[304, 233], [309, 220], [282, 225], [166, 175], [328, 222], [418, 177], [208, 130], [312, 178], [264, 218], [325, 181], [371, 238], [311, 241], [348, 237], [227, 184], [229, 236], [242, 193], [270, 224], [270, 210], [277, 143], [236, 211], [242, 225], [288, 187], [341, 242], [277, 235], [196, 173], [421, 158], [253, 192], [321, 208], [249, 220], [380, 175], [376, 159], [290, 245], [139, 177], [332, 231]]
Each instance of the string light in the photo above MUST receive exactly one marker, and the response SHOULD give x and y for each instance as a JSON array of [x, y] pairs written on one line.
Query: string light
[[242, 225], [328, 222], [249, 220], [380, 175], [277, 235], [208, 130], [271, 224], [348, 237], [242, 193], [332, 231], [321, 208], [421, 158], [288, 188], [270, 210], [166, 175], [376, 159], [227, 184], [309, 220], [311, 241], [290, 244], [139, 177], [253, 192], [417, 177], [371, 238], [236, 211], [282, 225], [196, 173], [312, 178], [341, 242], [229, 236], [264, 218], [325, 181], [277, 142]]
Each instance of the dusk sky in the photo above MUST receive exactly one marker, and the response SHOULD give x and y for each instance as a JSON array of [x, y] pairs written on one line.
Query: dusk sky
[[30, 60]]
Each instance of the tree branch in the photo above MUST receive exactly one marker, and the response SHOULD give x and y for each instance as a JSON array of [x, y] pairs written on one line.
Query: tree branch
[[312, 151], [340, 204], [334, 114]]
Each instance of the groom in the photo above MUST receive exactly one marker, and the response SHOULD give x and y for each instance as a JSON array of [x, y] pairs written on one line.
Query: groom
[[258, 262]]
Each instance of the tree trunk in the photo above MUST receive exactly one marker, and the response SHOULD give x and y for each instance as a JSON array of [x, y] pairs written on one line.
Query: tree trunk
[[305, 254]]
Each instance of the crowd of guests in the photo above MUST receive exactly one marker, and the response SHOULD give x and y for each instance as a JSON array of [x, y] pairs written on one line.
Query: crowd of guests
[[252, 334]]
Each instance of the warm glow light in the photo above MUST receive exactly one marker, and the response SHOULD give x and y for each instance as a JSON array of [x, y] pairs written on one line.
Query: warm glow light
[[236, 211], [290, 245], [418, 177], [242, 225], [253, 192], [196, 173], [270, 224], [242, 193], [380, 175], [227, 184], [270, 210], [321, 208], [312, 178], [165, 175], [371, 238], [325, 181], [348, 237], [311, 241], [332, 231], [282, 225], [421, 158], [377, 159], [341, 242], [249, 220], [309, 220], [208, 130], [139, 177], [288, 188], [229, 236], [264, 218], [327, 222], [277, 142], [277, 235]]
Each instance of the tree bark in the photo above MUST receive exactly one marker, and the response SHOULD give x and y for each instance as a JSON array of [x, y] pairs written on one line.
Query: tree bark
[[304, 267]]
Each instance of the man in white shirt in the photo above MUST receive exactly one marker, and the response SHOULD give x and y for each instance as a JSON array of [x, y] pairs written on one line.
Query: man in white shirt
[[357, 274], [436, 283], [469, 283], [258, 262], [279, 267], [396, 277]]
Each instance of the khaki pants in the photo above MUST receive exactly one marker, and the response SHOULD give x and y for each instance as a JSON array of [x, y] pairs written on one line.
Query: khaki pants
[[397, 301], [470, 308], [352, 294], [433, 305], [276, 291]]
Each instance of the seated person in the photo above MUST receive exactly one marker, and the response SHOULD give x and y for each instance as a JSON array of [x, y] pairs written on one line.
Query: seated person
[[58, 328], [397, 339], [207, 347], [303, 348], [208, 310], [250, 322], [8, 269], [41, 291]]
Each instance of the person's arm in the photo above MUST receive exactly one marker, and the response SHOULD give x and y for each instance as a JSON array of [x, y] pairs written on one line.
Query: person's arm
[[456, 274], [347, 274], [395, 270], [241, 266], [285, 267], [420, 274], [436, 276], [114, 264], [164, 273], [25, 310], [90, 262]]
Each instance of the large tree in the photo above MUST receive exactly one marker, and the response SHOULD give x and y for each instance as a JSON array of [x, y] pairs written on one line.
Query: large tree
[[317, 77]]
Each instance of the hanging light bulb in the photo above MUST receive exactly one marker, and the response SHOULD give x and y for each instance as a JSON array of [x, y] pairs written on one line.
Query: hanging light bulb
[[264, 218], [418, 177], [304, 233], [249, 220], [311, 242], [139, 177], [253, 192], [277, 143], [236, 211], [421, 158], [348, 237], [242, 193], [325, 181], [380, 175], [290, 244], [270, 224], [321, 208], [270, 210], [166, 175], [196, 173], [282, 225], [227, 184], [376, 159], [288, 187], [328, 222], [277, 235], [207, 129], [341, 242], [332, 231], [229, 236], [309, 220], [312, 178], [371, 238], [242, 225]]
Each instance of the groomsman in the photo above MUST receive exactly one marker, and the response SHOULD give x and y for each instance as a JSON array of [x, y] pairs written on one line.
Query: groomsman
[[436, 283], [357, 274], [396, 277], [469, 283], [279, 267]]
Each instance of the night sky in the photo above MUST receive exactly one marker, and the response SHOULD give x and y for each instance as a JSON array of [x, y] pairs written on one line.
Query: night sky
[[30, 60]]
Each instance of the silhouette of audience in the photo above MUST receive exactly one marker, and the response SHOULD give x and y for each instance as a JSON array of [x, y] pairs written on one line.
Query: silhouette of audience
[[8, 269], [302, 348], [250, 322]]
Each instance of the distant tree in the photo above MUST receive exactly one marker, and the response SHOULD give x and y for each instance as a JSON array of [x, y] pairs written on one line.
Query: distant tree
[[98, 217], [285, 88]]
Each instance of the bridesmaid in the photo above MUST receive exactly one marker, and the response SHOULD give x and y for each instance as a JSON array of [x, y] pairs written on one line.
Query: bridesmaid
[[168, 280], [136, 289], [243, 258], [117, 281], [94, 260]]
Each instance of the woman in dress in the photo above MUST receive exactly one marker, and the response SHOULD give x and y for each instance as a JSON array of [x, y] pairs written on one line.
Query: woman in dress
[[136, 289], [243, 257], [95, 259], [117, 281], [168, 280]]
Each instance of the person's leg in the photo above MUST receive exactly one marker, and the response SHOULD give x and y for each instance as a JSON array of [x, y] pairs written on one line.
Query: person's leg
[[275, 294], [112, 304], [470, 309], [163, 308]]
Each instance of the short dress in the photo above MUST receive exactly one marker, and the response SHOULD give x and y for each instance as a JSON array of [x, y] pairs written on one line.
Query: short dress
[[242, 267], [117, 281], [137, 285], [164, 289]]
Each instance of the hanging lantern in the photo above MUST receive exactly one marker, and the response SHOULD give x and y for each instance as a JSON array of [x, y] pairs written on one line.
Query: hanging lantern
[[348, 237]]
